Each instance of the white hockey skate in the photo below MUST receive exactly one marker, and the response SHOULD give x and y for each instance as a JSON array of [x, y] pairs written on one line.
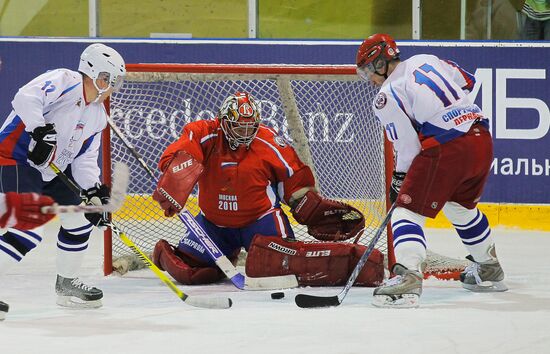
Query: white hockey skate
[[401, 291], [71, 292], [484, 276], [4, 308]]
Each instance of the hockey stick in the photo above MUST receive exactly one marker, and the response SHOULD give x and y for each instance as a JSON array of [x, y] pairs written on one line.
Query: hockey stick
[[309, 301], [211, 303], [241, 281], [121, 177], [215, 303]]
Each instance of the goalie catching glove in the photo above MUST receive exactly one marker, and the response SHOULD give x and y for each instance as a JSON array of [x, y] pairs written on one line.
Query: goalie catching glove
[[177, 182], [328, 220]]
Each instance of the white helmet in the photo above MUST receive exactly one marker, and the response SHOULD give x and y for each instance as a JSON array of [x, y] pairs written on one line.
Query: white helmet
[[98, 61]]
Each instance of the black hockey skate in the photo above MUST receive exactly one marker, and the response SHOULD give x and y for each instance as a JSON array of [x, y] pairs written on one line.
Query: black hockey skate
[[4, 308], [71, 292]]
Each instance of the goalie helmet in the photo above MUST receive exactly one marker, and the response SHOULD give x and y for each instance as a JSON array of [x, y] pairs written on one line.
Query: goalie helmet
[[239, 119], [99, 61], [374, 54]]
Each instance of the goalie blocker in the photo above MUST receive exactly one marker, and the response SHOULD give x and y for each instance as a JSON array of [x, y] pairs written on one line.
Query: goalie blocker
[[177, 182], [314, 264]]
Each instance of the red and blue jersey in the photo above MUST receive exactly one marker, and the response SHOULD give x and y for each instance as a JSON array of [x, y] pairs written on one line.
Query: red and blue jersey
[[424, 102], [57, 97], [240, 186]]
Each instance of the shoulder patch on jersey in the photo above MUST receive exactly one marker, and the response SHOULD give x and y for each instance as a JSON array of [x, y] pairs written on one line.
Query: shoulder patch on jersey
[[280, 141], [380, 100]]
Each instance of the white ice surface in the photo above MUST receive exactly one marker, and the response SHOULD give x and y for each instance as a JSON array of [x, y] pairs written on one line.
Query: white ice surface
[[141, 315]]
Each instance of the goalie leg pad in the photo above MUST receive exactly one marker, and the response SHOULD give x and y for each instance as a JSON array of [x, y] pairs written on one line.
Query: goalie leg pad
[[372, 273], [314, 264], [183, 268]]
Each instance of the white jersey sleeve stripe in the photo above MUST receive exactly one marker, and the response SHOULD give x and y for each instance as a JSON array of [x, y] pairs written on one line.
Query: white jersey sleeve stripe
[[68, 89], [288, 168], [415, 124]]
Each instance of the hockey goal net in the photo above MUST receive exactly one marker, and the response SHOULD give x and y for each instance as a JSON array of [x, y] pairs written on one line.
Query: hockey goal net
[[324, 111]]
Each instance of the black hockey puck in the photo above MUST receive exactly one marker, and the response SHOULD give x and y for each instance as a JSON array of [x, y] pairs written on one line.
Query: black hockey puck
[[277, 296]]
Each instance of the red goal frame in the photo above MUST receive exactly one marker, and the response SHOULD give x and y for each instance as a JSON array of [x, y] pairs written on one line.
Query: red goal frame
[[344, 70]]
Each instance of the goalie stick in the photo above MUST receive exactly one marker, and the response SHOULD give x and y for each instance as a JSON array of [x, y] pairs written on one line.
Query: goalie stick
[[121, 177], [213, 303], [240, 280], [309, 301], [204, 302]]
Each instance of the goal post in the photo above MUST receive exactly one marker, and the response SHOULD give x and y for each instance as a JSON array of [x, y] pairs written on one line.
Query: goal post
[[323, 111]]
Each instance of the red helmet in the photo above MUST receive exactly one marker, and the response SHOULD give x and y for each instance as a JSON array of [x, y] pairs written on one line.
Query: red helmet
[[239, 119], [374, 53]]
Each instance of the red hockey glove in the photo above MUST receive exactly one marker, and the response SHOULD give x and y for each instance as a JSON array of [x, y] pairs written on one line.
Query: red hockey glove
[[23, 210], [328, 220], [177, 182]]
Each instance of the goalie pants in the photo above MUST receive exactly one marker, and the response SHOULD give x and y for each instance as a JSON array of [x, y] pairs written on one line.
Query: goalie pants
[[75, 228], [231, 240]]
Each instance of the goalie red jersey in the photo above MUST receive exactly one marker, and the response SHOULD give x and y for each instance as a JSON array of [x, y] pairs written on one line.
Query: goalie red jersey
[[244, 170], [238, 186]]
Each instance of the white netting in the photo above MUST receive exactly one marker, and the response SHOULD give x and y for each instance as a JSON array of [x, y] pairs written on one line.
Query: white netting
[[328, 119]]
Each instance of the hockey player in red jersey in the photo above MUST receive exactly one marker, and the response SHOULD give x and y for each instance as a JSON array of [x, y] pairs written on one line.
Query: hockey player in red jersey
[[245, 170], [21, 211], [443, 154]]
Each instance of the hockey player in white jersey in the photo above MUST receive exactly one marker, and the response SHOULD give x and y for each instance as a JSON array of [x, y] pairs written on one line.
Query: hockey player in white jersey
[[58, 117], [443, 156]]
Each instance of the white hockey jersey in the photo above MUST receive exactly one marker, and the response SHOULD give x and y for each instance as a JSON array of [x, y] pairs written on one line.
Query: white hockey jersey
[[56, 97], [423, 103]]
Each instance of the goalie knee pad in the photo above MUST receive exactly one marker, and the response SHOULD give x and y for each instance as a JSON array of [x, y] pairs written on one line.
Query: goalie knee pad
[[314, 264], [182, 267]]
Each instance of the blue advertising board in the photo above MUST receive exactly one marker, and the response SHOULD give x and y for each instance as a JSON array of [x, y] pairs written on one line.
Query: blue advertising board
[[512, 87]]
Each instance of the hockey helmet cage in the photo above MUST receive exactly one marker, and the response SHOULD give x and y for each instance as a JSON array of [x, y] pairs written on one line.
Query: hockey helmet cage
[[374, 54], [239, 119]]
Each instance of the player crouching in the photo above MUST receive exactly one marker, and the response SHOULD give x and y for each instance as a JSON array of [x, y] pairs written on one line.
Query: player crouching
[[244, 170]]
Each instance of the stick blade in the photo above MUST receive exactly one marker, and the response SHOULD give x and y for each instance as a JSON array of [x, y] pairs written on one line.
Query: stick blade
[[209, 302], [239, 281], [310, 301], [271, 283], [121, 180]]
